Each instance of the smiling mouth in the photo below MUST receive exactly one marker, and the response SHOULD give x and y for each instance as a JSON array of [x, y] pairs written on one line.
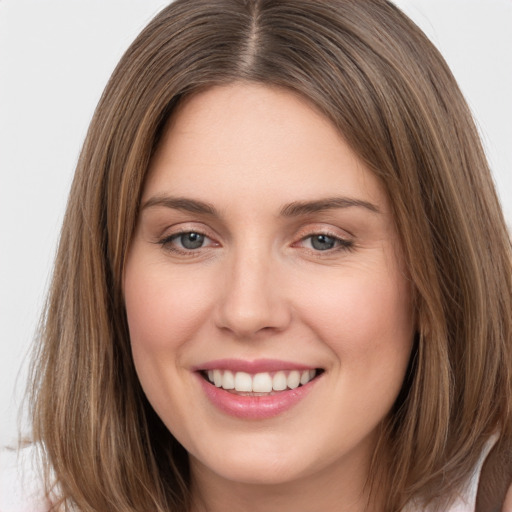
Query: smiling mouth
[[259, 384]]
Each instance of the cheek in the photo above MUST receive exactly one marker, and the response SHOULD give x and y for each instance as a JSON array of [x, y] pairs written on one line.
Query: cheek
[[164, 311], [162, 308], [363, 316]]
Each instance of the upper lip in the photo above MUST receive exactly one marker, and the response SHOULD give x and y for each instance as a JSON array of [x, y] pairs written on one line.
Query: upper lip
[[254, 366]]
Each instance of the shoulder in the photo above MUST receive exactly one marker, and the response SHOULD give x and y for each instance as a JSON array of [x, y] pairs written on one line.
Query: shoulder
[[479, 494], [21, 484]]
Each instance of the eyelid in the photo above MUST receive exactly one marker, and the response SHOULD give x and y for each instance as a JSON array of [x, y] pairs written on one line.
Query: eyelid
[[186, 227], [172, 232], [340, 244], [345, 241], [323, 229]]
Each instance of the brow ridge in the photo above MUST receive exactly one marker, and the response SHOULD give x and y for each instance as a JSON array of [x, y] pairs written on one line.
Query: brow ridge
[[294, 209], [298, 208], [181, 203]]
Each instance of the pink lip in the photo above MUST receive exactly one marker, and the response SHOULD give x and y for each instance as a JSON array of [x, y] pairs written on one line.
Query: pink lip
[[249, 406], [256, 366]]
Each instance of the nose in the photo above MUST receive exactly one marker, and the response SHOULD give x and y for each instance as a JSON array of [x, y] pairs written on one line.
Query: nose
[[252, 298]]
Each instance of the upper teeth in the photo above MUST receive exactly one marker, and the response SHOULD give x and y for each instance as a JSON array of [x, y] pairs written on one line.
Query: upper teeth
[[260, 382]]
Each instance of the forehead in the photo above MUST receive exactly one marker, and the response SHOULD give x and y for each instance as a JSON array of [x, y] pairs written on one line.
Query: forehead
[[258, 139]]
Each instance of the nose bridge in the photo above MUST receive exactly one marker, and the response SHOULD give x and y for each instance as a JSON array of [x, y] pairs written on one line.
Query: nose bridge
[[251, 299]]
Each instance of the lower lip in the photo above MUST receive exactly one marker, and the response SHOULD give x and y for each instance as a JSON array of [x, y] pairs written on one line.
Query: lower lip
[[255, 407]]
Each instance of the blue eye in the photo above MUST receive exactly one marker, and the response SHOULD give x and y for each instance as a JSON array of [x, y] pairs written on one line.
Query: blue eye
[[190, 240], [186, 241], [322, 242]]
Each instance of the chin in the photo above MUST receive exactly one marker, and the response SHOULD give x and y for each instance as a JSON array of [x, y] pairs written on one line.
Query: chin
[[255, 470]]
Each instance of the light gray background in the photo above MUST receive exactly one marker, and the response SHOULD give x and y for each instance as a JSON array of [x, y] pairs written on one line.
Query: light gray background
[[55, 58]]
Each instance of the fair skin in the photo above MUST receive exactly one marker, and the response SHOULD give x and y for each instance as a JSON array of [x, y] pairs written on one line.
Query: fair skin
[[262, 237], [507, 505]]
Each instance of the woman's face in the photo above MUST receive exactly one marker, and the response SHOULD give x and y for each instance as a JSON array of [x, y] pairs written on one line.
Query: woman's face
[[266, 258]]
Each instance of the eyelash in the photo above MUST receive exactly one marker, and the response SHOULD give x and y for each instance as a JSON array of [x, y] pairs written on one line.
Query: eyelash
[[167, 241], [340, 244]]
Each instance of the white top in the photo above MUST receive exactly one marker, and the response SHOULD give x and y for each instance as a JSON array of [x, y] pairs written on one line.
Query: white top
[[21, 488], [466, 502]]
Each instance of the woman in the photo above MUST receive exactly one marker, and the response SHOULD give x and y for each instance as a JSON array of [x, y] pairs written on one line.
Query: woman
[[284, 280]]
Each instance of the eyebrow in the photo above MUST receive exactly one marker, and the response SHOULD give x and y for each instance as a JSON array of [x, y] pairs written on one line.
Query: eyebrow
[[181, 203], [299, 208], [294, 209]]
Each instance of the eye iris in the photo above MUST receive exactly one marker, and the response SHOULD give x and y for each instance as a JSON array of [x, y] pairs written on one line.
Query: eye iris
[[191, 240], [322, 242]]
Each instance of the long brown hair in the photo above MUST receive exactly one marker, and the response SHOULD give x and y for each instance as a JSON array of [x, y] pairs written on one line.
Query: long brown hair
[[382, 83]]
